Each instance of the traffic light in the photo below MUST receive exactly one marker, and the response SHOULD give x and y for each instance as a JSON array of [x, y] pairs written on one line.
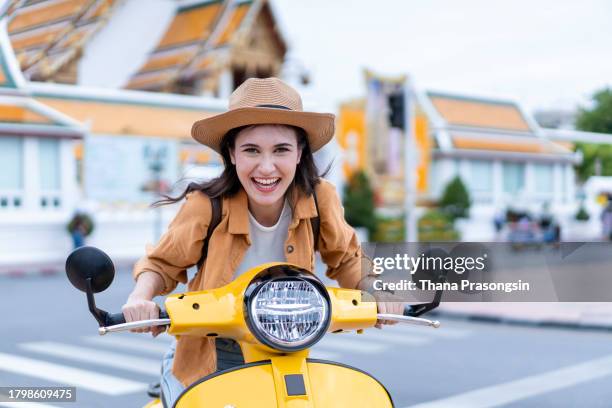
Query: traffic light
[[396, 110]]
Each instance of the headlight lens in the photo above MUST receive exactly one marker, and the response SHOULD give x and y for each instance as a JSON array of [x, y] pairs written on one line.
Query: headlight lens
[[289, 314]]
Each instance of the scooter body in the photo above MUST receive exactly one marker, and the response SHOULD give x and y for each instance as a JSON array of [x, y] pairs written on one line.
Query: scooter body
[[274, 375]]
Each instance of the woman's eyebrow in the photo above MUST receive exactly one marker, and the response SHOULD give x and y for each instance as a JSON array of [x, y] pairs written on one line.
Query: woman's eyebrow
[[283, 145], [249, 145]]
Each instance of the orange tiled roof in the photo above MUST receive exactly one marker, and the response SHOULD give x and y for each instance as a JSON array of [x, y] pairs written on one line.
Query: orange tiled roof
[[186, 34], [20, 114], [186, 48], [169, 59], [97, 10], [44, 13], [75, 37], [13, 4], [41, 37], [53, 26], [153, 80], [479, 113], [506, 144], [203, 62], [191, 25], [236, 19], [125, 118]]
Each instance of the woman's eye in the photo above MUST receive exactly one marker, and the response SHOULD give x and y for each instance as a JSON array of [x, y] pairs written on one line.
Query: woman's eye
[[250, 150], [282, 149]]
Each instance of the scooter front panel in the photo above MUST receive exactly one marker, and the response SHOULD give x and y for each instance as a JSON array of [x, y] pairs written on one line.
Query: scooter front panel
[[250, 385], [342, 386]]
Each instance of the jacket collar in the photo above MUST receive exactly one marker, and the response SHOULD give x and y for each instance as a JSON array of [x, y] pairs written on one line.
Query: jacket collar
[[239, 218]]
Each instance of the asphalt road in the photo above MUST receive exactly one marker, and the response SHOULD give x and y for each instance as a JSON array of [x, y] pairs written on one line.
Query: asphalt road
[[47, 337]]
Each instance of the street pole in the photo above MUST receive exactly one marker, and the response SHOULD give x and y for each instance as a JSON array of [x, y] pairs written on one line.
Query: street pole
[[410, 224]]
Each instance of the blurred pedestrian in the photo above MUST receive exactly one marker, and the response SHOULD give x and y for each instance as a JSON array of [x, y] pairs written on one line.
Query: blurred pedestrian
[[606, 219], [498, 222], [79, 227]]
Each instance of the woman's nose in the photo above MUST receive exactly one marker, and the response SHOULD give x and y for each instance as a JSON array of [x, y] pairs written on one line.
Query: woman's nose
[[267, 164]]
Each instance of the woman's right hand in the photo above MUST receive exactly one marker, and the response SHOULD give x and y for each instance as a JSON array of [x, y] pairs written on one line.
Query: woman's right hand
[[139, 308]]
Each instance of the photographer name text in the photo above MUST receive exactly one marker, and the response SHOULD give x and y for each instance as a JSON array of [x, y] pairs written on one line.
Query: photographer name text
[[464, 285]]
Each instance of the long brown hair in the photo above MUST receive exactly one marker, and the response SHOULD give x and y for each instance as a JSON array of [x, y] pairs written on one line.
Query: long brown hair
[[227, 184]]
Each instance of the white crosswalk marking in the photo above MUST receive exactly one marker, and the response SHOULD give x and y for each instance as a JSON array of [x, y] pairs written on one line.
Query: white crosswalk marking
[[390, 337], [129, 353], [512, 391], [89, 355], [104, 384], [126, 343], [343, 343], [442, 332], [323, 355]]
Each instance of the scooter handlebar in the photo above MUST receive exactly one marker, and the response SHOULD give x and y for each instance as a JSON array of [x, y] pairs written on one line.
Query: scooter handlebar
[[115, 318], [408, 318], [116, 322]]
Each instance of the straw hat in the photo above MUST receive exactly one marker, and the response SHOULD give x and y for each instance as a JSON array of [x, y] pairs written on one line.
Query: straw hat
[[264, 101]]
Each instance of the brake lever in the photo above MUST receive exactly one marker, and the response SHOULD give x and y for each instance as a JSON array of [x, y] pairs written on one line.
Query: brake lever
[[133, 325], [409, 319]]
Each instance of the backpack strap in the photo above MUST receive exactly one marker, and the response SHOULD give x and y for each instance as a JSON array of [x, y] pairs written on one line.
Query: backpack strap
[[315, 222], [217, 206]]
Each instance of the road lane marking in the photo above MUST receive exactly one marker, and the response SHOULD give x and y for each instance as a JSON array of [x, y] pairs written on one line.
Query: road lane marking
[[344, 343], [57, 373], [322, 355], [123, 342], [389, 337], [442, 331], [512, 391], [89, 355]]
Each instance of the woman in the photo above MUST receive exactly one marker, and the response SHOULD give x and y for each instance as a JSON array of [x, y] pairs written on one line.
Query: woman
[[268, 190]]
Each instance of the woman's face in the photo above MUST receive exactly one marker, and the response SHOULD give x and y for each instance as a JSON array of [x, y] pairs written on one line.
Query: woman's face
[[266, 157]]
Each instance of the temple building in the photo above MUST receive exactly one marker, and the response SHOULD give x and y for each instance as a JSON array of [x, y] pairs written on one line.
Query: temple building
[[505, 160], [97, 99]]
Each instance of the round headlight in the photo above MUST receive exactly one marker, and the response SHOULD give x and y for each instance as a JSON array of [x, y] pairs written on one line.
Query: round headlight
[[289, 313]]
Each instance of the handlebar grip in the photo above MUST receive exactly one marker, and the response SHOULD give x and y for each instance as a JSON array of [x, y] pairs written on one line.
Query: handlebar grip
[[115, 318], [408, 310], [118, 318]]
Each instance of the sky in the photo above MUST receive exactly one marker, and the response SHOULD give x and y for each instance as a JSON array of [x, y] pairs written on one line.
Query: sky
[[544, 54]]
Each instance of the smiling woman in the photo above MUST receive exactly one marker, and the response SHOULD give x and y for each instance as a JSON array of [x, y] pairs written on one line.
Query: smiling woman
[[270, 193], [266, 157]]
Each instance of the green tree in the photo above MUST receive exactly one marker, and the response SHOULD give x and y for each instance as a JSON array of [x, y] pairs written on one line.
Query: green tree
[[359, 202], [436, 225], [597, 119], [592, 154], [455, 199]]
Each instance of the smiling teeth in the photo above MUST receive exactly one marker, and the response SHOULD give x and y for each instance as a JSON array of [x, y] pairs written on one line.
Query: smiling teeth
[[266, 181]]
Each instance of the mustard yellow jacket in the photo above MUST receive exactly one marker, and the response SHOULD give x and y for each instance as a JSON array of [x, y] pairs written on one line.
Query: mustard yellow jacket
[[181, 247]]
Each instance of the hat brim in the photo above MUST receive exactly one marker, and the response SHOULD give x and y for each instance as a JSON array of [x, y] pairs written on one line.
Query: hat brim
[[318, 126]]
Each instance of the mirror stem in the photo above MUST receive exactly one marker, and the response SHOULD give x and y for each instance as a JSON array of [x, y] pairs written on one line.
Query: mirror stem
[[99, 314]]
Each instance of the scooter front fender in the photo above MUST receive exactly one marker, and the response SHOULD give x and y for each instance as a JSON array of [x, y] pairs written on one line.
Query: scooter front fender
[[272, 383]]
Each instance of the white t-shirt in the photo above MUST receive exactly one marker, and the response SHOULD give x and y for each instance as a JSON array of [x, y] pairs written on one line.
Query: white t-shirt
[[267, 243]]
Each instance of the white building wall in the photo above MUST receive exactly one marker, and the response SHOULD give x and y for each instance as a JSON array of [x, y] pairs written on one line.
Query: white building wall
[[32, 234], [69, 188], [497, 184], [31, 175]]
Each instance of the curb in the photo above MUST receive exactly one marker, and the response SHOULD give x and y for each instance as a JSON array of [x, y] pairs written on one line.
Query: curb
[[521, 321]]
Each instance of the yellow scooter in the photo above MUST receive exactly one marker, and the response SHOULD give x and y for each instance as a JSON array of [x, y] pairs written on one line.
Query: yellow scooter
[[275, 312]]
